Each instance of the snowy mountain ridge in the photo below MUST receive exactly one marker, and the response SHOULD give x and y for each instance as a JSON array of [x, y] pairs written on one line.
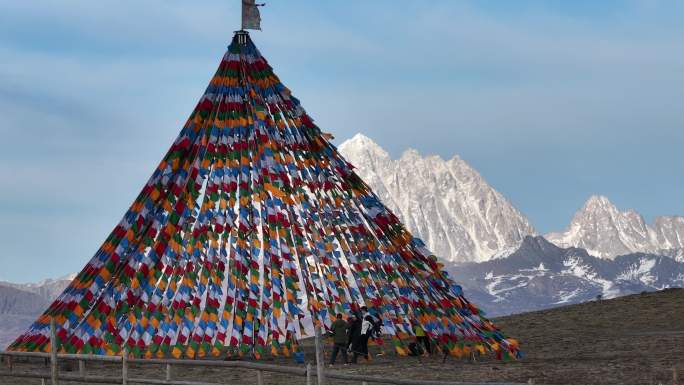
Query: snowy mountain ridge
[[606, 232], [541, 275], [48, 289], [447, 203]]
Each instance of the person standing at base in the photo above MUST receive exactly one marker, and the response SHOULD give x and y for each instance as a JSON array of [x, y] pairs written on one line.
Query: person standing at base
[[354, 330], [421, 337], [360, 344], [339, 331]]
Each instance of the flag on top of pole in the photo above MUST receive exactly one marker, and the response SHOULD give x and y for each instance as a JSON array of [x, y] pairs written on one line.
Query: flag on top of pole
[[250, 14]]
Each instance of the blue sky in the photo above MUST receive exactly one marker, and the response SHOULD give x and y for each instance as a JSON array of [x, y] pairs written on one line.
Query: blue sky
[[552, 101]]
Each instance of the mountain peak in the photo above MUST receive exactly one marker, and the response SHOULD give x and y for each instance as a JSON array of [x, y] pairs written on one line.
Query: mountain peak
[[598, 200], [362, 146], [536, 241], [449, 205], [595, 206], [361, 139], [607, 232], [410, 154]]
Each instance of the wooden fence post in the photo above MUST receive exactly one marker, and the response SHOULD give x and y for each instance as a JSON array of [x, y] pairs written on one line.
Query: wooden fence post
[[168, 372], [260, 377], [81, 368], [308, 373], [320, 364], [675, 376], [53, 352], [124, 365]]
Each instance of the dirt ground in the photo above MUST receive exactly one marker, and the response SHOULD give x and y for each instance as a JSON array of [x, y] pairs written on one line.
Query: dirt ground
[[637, 339]]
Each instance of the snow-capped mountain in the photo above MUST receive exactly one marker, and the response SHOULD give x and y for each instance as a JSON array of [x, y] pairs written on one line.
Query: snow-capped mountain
[[541, 275], [447, 203], [606, 232], [48, 289]]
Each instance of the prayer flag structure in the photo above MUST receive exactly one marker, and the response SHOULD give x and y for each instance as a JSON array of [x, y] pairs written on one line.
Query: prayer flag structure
[[252, 229]]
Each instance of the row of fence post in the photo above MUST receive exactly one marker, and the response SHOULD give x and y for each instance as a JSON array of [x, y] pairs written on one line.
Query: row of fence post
[[54, 367], [54, 370]]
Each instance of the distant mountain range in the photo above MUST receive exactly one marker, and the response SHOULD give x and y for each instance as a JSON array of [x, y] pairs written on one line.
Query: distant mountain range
[[493, 250], [606, 232], [540, 275]]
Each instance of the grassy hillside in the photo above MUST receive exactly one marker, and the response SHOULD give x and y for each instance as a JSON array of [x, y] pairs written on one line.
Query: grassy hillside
[[636, 339]]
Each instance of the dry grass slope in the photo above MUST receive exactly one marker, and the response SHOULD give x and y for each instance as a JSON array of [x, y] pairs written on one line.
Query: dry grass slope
[[636, 339]]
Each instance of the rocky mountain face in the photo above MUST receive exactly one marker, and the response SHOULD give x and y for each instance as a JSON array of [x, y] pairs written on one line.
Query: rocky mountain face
[[21, 304], [17, 310], [606, 232], [446, 203], [14, 301], [540, 275]]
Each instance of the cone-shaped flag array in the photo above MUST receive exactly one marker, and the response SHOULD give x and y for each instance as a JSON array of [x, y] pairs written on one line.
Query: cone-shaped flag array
[[251, 229]]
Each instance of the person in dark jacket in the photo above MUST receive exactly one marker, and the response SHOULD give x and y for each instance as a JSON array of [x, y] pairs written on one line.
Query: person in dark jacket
[[360, 344], [354, 330], [339, 331]]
